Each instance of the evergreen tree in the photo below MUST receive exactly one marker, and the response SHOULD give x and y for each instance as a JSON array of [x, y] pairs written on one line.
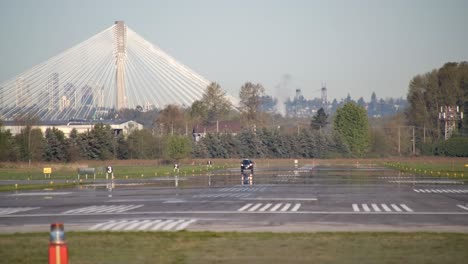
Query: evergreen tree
[[319, 121], [352, 124], [55, 147], [8, 147]]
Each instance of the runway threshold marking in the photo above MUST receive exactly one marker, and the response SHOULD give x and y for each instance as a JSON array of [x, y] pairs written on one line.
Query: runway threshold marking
[[103, 209], [260, 207], [143, 225], [440, 191], [282, 199], [12, 210], [387, 209]]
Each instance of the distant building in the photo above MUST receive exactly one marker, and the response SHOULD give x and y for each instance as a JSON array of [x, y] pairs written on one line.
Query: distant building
[[53, 91], [81, 126], [226, 127]]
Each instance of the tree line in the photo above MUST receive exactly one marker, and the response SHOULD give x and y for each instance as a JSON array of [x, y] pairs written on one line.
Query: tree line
[[429, 93], [348, 136]]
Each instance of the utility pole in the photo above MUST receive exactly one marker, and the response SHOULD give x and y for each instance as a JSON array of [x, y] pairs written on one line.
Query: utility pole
[[414, 143], [399, 144], [424, 134]]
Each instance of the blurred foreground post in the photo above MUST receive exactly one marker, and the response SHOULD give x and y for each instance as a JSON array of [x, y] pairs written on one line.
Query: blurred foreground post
[[58, 249]]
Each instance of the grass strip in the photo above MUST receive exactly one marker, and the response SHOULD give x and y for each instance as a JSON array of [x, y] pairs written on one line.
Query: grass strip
[[210, 247], [26, 187]]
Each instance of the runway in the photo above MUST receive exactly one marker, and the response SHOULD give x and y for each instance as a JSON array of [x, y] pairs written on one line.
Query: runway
[[305, 199]]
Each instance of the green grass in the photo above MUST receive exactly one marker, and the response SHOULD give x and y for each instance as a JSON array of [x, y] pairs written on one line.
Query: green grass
[[120, 172], [25, 187], [208, 247], [442, 169]]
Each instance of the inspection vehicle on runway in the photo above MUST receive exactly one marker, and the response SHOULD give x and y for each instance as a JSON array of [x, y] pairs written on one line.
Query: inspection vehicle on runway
[[247, 164], [247, 178]]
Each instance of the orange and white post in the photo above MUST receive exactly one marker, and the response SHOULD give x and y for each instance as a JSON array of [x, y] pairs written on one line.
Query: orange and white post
[[58, 249]]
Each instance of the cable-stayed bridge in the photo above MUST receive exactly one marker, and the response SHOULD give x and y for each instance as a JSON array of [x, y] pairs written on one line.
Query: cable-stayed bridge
[[112, 70]]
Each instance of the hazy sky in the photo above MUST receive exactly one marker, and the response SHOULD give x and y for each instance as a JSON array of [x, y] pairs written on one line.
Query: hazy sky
[[355, 47]]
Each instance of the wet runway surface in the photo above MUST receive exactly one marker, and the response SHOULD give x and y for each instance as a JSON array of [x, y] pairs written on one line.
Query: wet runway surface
[[280, 199]]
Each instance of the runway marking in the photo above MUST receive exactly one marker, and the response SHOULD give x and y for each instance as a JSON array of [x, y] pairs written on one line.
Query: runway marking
[[243, 189], [103, 209], [158, 213], [143, 225], [427, 181], [462, 207], [282, 199], [12, 210], [355, 208], [223, 195], [296, 207], [244, 207], [375, 208], [260, 207], [265, 207], [440, 190], [276, 207], [39, 193], [255, 207], [286, 207]]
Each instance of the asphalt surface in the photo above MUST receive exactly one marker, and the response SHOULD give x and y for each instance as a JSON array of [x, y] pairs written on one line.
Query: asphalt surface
[[279, 200]]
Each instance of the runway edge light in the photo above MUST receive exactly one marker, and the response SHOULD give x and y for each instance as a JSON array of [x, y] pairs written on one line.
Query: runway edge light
[[58, 249]]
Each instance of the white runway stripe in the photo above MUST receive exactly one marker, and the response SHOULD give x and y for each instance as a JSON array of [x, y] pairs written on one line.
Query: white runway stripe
[[426, 182], [172, 224], [366, 208], [265, 207], [285, 208], [221, 195], [110, 225], [244, 207], [143, 225], [160, 225], [122, 225], [243, 189], [146, 225], [99, 226], [355, 208], [406, 208], [375, 207], [103, 209], [185, 224], [386, 208], [440, 191], [395, 207], [12, 210], [462, 207], [255, 207], [296, 207], [279, 207], [274, 208], [135, 225]]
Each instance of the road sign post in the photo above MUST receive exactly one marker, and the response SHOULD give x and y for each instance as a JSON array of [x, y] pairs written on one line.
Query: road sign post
[[47, 171]]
